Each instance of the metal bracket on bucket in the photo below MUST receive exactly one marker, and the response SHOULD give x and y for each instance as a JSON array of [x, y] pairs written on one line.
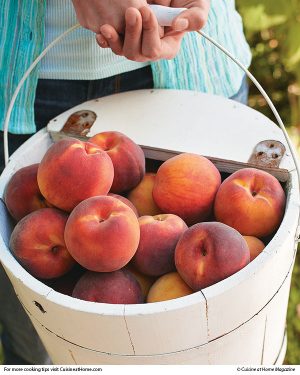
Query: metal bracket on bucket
[[79, 123], [267, 153]]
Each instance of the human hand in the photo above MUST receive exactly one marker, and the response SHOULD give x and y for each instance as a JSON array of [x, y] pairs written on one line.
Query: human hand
[[144, 39], [92, 14]]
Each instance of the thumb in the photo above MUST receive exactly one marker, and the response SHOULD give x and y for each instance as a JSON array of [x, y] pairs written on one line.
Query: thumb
[[192, 19]]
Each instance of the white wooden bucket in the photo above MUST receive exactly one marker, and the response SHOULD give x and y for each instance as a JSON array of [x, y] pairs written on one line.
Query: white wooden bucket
[[240, 320]]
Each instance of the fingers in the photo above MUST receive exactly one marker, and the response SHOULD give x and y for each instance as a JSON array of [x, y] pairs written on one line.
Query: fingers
[[133, 35], [190, 20], [171, 45], [101, 41], [130, 45], [151, 42], [143, 39], [112, 38]]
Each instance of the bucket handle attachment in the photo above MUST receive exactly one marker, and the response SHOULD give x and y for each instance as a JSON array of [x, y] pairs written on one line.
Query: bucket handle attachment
[[164, 16]]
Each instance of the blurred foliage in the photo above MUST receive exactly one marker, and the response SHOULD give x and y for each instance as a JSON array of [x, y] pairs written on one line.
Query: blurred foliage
[[272, 29]]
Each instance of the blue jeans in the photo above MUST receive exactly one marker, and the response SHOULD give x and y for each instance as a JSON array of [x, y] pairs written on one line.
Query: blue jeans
[[20, 342]]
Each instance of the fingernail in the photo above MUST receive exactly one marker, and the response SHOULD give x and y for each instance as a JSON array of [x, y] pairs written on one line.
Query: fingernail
[[131, 20], [181, 24], [106, 34]]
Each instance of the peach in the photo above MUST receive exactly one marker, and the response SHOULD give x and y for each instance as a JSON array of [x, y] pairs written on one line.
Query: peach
[[72, 171], [126, 201], [209, 252], [141, 196], [127, 157], [102, 234], [158, 238], [252, 201], [186, 185], [168, 286], [118, 287], [37, 242], [145, 281], [255, 245], [22, 194]]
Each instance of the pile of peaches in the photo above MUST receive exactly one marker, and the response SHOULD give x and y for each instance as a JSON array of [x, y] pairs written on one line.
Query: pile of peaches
[[93, 222]]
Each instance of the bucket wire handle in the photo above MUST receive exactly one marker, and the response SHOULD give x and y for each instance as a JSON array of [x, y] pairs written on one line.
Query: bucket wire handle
[[18, 88], [273, 109], [159, 11]]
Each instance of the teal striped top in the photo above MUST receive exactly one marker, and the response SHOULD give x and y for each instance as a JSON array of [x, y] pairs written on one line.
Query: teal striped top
[[198, 65]]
